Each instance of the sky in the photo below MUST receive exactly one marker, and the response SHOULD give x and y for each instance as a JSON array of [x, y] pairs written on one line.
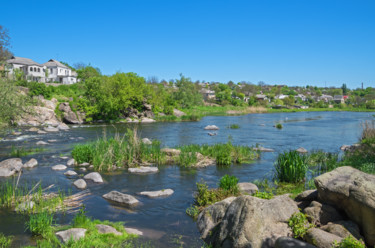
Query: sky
[[292, 42]]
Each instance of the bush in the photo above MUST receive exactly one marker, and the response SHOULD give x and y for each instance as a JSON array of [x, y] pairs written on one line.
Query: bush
[[229, 183], [83, 153], [205, 196], [40, 89], [299, 224], [290, 167], [279, 126]]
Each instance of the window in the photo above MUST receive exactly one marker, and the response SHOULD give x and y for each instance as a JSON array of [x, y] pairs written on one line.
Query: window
[[38, 69], [51, 70], [31, 69]]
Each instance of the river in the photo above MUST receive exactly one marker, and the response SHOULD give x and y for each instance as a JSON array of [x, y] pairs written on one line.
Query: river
[[164, 220]]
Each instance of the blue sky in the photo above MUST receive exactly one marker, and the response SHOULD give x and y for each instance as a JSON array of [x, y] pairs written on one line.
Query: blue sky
[[293, 42]]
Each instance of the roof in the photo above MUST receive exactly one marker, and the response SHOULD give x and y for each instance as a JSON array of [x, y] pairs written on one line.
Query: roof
[[206, 91], [54, 63], [22, 61], [338, 97]]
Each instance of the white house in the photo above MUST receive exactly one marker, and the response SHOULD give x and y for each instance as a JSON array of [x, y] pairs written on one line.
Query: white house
[[58, 72], [32, 70], [208, 94]]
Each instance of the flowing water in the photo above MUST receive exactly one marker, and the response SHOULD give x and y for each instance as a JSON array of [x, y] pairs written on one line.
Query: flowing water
[[164, 220]]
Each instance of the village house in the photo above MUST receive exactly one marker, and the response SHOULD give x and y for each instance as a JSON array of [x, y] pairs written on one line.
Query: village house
[[325, 98], [338, 99], [58, 72], [31, 70], [260, 97], [300, 96], [208, 94]]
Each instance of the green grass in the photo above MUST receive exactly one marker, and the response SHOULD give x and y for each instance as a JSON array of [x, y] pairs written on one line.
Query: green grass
[[299, 224], [269, 110], [290, 167], [40, 223], [234, 126], [5, 241], [263, 195], [21, 151], [349, 242], [279, 126], [229, 183]]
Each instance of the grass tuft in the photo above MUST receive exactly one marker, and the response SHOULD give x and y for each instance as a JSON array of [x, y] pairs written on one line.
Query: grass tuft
[[290, 167]]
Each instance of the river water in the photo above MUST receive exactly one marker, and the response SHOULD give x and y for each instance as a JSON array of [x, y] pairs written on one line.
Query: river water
[[164, 220]]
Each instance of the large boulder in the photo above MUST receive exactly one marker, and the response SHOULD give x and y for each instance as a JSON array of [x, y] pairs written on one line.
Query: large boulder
[[178, 113], [107, 229], [343, 229], [253, 222], [94, 176], [42, 114], [354, 192], [119, 197], [248, 188], [80, 184], [157, 193], [59, 167], [10, 166], [320, 238], [321, 214], [69, 116], [72, 233]]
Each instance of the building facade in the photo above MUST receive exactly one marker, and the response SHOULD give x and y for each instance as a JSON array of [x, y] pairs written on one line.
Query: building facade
[[58, 72]]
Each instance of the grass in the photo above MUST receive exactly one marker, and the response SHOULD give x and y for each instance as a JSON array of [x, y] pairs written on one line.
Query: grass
[[21, 152], [5, 241], [279, 126], [349, 242], [290, 167], [234, 126], [299, 224], [40, 223], [229, 183]]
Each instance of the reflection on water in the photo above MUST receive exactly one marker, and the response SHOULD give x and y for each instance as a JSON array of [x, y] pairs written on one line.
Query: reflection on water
[[164, 220]]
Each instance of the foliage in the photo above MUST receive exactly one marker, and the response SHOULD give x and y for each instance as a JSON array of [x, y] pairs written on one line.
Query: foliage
[[299, 224], [321, 162], [229, 183], [349, 242], [86, 72], [205, 196], [40, 89], [279, 126], [234, 126], [5, 241], [21, 151], [290, 167], [4, 44], [193, 211], [263, 195], [40, 223], [187, 95]]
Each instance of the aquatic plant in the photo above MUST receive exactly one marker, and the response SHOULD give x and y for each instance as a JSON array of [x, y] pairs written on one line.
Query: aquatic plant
[[299, 224], [290, 167], [21, 151], [279, 126], [192, 117], [5, 241], [229, 183], [321, 162], [40, 223], [193, 211], [234, 126]]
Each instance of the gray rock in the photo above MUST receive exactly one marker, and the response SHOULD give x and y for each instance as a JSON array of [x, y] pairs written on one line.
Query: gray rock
[[308, 195], [146, 141], [253, 222], [31, 163], [345, 148], [107, 229], [70, 173], [25, 206], [288, 242], [301, 150], [84, 164], [320, 238], [41, 132], [263, 149], [354, 192], [147, 120], [248, 188], [178, 113], [212, 134], [73, 233], [82, 169], [80, 183], [17, 133], [41, 143], [69, 116], [171, 152], [33, 129], [64, 157], [52, 140], [59, 167], [211, 127], [94, 176], [10, 166], [133, 231], [118, 197], [51, 129], [158, 193], [343, 229], [71, 162], [63, 126], [143, 170], [320, 214]]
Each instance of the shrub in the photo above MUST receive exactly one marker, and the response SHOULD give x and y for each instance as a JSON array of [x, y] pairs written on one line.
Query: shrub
[[263, 195], [299, 224], [193, 211], [279, 126], [5, 241], [349, 242], [234, 126], [229, 183], [40, 224], [290, 167], [83, 153], [205, 196]]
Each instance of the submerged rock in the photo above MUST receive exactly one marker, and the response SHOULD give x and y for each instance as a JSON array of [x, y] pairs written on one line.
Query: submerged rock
[[107, 229], [25, 206], [70, 173], [10, 166], [59, 167], [41, 143], [352, 191], [94, 176], [121, 198], [263, 149], [158, 193], [51, 129], [143, 170], [71, 162], [80, 184], [211, 127], [31, 163], [73, 233], [248, 188]]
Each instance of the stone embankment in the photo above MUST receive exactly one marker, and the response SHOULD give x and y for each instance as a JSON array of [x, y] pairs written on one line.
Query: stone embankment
[[343, 204]]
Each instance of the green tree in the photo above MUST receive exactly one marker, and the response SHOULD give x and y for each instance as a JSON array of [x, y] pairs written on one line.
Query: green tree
[[4, 45], [187, 94], [87, 71], [344, 89]]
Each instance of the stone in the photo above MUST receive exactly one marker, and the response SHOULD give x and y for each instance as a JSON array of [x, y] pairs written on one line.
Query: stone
[[82, 169], [345, 148], [212, 134], [80, 184], [248, 188], [41, 132], [343, 229], [72, 233], [10, 166], [146, 141], [71, 162], [144, 170], [122, 198], [158, 193], [64, 157], [212, 215], [84, 164], [41, 143], [52, 141], [107, 229], [320, 238], [147, 120], [69, 116], [33, 129], [25, 206], [211, 127], [171, 152], [320, 214], [252, 222], [63, 126], [353, 192], [308, 195], [301, 150], [70, 173], [59, 167], [133, 231], [178, 113], [31, 163], [51, 129], [289, 242], [40, 115], [16, 133], [263, 149], [94, 176]]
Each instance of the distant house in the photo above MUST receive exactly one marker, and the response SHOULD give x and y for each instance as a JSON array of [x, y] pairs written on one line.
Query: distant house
[[31, 70], [325, 98], [58, 72], [300, 96], [339, 99], [281, 97], [261, 97], [208, 94]]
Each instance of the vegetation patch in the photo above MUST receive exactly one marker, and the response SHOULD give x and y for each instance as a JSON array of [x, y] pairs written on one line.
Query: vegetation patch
[[290, 167], [279, 126], [5, 241], [234, 126], [299, 224], [349, 242], [21, 151]]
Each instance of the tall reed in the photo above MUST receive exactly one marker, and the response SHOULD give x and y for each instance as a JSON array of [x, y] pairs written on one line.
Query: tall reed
[[290, 167]]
